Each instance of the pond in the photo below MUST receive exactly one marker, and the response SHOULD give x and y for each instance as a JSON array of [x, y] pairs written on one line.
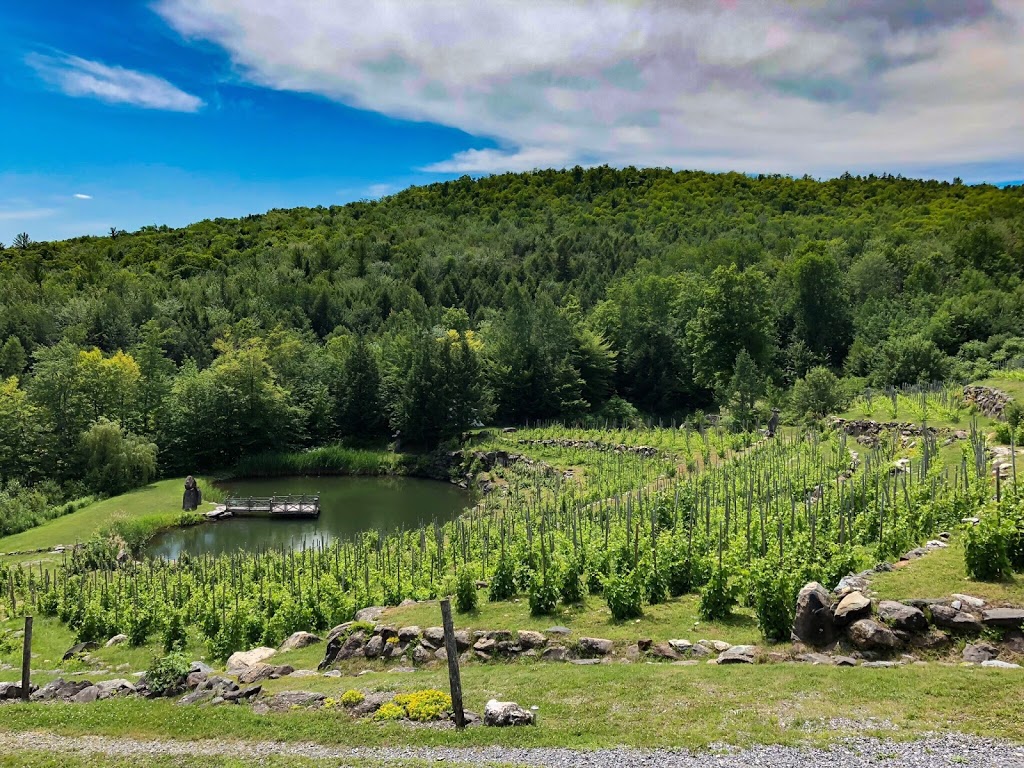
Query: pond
[[348, 505]]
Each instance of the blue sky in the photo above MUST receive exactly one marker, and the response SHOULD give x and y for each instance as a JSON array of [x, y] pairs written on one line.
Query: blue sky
[[131, 113]]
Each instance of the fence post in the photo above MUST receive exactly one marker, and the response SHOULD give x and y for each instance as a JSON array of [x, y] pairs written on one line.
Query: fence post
[[26, 661], [452, 651]]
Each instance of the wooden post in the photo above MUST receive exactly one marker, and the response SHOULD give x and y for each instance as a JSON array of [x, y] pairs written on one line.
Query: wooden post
[[26, 661], [452, 650]]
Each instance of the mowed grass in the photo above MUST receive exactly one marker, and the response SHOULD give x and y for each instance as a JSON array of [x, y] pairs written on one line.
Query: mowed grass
[[161, 498], [37, 759], [675, 619], [639, 705], [942, 573]]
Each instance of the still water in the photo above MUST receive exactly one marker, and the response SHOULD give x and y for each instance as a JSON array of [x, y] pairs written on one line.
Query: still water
[[347, 505]]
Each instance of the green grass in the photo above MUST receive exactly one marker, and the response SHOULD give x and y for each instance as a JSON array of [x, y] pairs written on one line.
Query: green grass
[[674, 619], [943, 573], [638, 705], [159, 499], [38, 759]]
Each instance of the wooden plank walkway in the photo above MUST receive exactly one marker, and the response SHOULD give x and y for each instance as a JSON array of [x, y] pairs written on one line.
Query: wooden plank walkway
[[273, 506]]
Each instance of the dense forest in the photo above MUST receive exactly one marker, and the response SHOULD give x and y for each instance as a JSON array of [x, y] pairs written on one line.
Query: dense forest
[[597, 294]]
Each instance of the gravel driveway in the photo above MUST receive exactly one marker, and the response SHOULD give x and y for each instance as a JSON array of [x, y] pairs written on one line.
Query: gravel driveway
[[947, 750]]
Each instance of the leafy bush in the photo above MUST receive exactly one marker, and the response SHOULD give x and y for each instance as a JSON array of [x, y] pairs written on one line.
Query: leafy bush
[[572, 590], [465, 592], [167, 674], [424, 706], [174, 635], [717, 598], [987, 549], [655, 586], [543, 594], [503, 586], [771, 590], [389, 711], [352, 698], [138, 626], [624, 595]]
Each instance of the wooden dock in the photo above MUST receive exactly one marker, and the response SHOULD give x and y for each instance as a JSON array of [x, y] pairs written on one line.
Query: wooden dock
[[273, 506]]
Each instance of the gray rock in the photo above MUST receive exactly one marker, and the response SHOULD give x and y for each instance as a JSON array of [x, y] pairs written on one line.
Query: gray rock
[[462, 639], [881, 664], [116, 640], [663, 651], [955, 620], [370, 614], [845, 661], [10, 691], [196, 697], [561, 631], [816, 659], [113, 687], [434, 636], [242, 659], [999, 664], [595, 646], [198, 666], [77, 650], [980, 652], [421, 655], [338, 631], [902, 617], [1003, 618], [374, 647], [869, 635], [87, 695], [739, 654], [409, 634], [970, 601], [529, 639], [555, 653], [286, 700], [386, 631], [813, 622], [506, 713], [485, 646], [852, 608], [300, 640]]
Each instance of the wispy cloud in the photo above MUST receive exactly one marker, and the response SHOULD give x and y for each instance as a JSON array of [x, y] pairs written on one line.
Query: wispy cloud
[[787, 86], [26, 214], [80, 196], [76, 76]]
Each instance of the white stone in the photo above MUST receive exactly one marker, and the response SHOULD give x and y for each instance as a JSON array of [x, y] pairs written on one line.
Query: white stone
[[243, 659]]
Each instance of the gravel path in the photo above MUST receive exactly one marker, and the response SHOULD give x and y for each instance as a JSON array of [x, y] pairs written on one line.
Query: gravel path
[[947, 750]]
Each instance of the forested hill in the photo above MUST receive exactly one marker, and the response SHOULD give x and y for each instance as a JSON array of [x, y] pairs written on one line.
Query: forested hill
[[538, 295]]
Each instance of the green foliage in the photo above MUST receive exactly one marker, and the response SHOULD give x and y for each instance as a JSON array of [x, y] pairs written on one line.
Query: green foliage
[[624, 595], [502, 586], [718, 597], [818, 394], [573, 589], [116, 462], [987, 548], [174, 636], [543, 593], [167, 673], [424, 706], [774, 600], [352, 698], [465, 592]]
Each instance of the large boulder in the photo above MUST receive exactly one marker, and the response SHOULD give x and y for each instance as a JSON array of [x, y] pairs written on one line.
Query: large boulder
[[980, 652], [529, 639], [506, 713], [851, 608], [78, 650], [116, 640], [434, 636], [869, 635], [408, 634], [370, 614], [950, 618], [300, 640], [1003, 618], [242, 659], [595, 646], [374, 647], [739, 654], [813, 623], [902, 617], [261, 671]]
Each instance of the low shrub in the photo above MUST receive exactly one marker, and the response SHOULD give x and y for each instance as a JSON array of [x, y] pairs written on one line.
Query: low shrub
[[167, 673], [174, 635], [503, 585], [543, 594], [624, 595], [717, 597], [424, 706], [465, 592], [389, 711], [987, 549], [352, 698]]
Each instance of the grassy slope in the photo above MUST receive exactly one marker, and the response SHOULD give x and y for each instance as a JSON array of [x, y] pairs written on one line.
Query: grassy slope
[[642, 705], [163, 497], [38, 759], [943, 573]]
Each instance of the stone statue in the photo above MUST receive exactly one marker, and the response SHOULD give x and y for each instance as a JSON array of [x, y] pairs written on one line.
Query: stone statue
[[193, 496], [773, 422]]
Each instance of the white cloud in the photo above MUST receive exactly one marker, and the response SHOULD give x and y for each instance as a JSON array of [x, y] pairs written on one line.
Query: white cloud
[[789, 86], [75, 76], [80, 196]]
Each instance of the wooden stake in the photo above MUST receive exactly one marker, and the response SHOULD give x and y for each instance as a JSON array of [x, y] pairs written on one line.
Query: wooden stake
[[26, 661], [452, 650]]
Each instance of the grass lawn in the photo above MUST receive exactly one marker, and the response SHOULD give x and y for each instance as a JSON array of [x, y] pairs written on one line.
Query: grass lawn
[[942, 573], [159, 498], [38, 759], [640, 705], [675, 619]]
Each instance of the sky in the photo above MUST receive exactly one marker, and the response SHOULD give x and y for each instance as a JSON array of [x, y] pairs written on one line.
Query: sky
[[121, 114]]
